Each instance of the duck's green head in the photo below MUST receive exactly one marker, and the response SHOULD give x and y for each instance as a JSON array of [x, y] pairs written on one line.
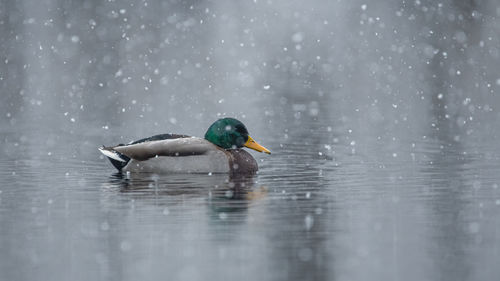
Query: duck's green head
[[230, 133]]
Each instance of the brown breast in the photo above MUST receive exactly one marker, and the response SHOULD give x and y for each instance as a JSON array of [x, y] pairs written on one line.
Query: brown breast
[[241, 162]]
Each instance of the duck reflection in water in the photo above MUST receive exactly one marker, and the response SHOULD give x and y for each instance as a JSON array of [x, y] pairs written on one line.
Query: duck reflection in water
[[225, 193]]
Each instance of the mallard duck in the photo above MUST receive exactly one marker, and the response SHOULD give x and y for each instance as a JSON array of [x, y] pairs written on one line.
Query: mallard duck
[[218, 152]]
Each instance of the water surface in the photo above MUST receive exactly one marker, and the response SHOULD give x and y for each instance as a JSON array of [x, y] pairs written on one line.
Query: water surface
[[325, 205]]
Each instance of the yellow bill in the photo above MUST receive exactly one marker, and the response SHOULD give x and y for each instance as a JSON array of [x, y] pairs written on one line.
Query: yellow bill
[[255, 146]]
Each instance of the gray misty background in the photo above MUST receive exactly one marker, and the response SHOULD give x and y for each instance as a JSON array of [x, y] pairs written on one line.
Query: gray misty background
[[181, 64], [382, 117]]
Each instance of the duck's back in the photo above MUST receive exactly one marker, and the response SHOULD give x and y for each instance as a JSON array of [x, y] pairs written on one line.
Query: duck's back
[[179, 154]]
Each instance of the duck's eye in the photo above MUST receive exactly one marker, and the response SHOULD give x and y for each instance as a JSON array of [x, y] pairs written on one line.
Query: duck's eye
[[241, 129], [228, 128]]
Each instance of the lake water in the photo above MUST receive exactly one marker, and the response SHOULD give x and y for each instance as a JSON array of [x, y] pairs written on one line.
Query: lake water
[[330, 203]]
